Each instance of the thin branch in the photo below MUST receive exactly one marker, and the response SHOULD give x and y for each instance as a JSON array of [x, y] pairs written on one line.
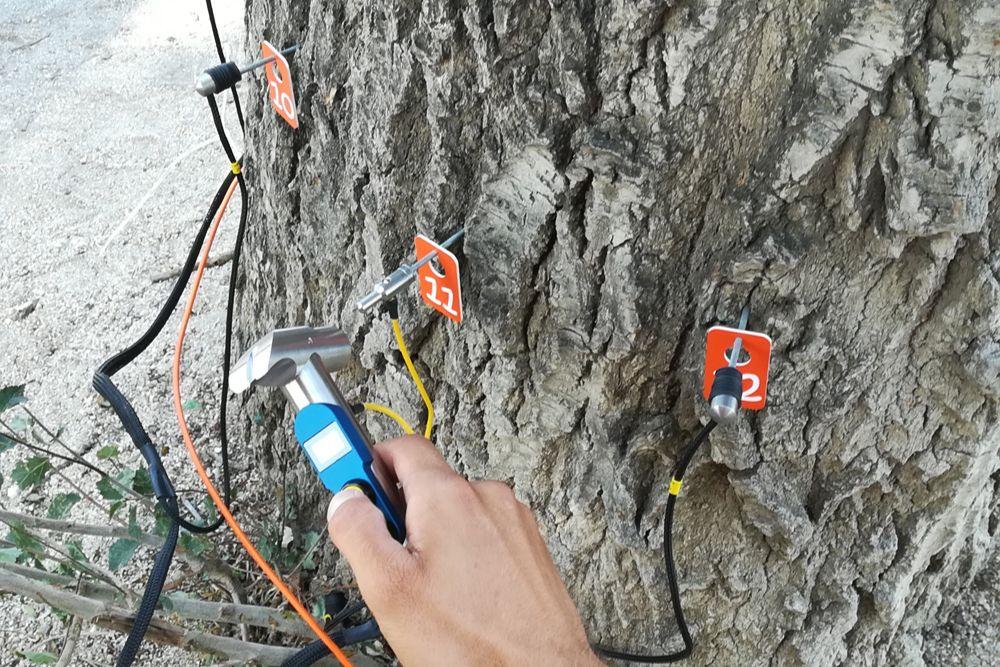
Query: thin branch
[[54, 437], [199, 564], [183, 607], [93, 569], [72, 637], [106, 615]]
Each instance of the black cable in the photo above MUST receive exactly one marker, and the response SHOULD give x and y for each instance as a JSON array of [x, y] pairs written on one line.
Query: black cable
[[154, 586], [162, 487], [668, 558], [317, 650], [222, 59]]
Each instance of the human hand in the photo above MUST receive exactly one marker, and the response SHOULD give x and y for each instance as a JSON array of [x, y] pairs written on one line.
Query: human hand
[[474, 584]]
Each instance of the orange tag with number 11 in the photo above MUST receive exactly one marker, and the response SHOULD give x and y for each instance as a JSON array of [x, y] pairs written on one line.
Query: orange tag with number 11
[[440, 291]]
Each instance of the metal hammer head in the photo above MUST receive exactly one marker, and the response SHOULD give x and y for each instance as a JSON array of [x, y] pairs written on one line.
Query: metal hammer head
[[275, 359]]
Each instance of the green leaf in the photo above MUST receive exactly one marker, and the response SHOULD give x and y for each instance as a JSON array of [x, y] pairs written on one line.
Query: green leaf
[[108, 489], [193, 545], [23, 539], [30, 472], [20, 423], [75, 549], [11, 396], [108, 452], [121, 552], [309, 541], [40, 657], [133, 526], [5, 443], [161, 522], [115, 506], [10, 555], [62, 504], [192, 404], [142, 484], [319, 608]]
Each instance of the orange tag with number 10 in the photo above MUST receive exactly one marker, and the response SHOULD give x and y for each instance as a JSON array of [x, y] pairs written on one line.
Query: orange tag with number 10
[[279, 85], [440, 291], [754, 368]]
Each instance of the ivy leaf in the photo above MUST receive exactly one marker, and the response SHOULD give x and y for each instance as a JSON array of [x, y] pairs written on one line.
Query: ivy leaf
[[5, 443], [10, 555], [11, 396], [121, 552], [62, 504], [107, 452], [40, 657], [30, 472], [309, 541]]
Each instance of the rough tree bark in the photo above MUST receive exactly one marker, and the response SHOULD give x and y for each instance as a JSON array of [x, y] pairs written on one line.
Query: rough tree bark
[[630, 172]]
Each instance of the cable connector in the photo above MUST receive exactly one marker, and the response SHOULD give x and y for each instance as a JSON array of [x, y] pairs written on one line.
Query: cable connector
[[725, 398], [216, 79], [401, 277]]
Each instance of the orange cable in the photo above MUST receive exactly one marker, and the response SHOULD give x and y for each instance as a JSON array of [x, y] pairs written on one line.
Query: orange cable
[[200, 468]]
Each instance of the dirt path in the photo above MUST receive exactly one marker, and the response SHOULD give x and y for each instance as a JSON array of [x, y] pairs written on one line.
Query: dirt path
[[99, 110]]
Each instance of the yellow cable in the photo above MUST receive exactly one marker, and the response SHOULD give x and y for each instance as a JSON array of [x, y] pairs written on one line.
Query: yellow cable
[[416, 378], [389, 412]]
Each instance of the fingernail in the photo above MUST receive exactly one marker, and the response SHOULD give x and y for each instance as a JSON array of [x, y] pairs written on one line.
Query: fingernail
[[342, 497]]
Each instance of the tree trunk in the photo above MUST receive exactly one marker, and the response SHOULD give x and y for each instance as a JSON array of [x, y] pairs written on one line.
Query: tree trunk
[[629, 173]]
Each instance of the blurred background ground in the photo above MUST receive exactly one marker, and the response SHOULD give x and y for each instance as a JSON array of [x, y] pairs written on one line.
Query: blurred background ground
[[100, 110], [100, 113]]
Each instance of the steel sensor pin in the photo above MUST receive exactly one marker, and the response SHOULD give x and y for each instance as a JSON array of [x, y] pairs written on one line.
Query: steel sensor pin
[[221, 77]]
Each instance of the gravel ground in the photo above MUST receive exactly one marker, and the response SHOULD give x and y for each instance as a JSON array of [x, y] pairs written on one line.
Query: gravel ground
[[99, 113]]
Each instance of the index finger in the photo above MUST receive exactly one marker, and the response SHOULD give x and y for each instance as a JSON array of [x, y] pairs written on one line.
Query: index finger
[[411, 456]]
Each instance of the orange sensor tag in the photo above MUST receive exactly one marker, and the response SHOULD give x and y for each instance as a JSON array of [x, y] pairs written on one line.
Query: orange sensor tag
[[756, 361], [440, 291], [279, 85]]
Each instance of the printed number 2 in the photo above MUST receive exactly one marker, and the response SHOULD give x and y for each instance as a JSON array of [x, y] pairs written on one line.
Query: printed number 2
[[449, 305], [748, 394]]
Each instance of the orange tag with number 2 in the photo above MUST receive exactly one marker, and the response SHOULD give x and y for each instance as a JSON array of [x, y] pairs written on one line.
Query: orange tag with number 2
[[279, 85], [757, 346], [440, 291]]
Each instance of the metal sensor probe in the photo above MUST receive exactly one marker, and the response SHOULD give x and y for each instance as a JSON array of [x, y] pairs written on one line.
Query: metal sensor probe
[[220, 77], [401, 277], [299, 360], [727, 387]]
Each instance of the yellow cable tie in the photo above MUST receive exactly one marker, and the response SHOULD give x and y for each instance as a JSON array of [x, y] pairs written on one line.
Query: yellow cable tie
[[235, 167], [675, 486]]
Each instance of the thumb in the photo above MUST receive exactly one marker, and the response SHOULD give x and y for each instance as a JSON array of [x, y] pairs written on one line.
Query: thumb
[[358, 529]]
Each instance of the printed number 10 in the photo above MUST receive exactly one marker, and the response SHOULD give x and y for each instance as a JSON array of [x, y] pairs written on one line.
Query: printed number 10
[[281, 99]]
